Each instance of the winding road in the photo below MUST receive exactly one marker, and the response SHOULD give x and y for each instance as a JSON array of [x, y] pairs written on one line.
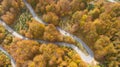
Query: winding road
[[89, 59], [14, 33]]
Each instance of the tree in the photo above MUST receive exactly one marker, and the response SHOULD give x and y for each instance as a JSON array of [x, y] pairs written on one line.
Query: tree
[[2, 32], [49, 35], [35, 30], [51, 17], [23, 51]]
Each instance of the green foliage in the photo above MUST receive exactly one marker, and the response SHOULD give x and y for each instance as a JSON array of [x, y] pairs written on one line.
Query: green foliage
[[21, 22]]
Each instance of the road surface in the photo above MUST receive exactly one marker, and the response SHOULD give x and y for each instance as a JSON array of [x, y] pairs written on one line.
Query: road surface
[[87, 58]]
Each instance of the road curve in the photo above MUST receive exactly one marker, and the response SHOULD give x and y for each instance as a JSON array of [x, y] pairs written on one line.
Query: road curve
[[81, 54], [88, 59]]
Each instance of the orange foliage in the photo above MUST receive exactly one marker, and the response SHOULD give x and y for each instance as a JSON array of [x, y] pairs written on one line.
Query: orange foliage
[[52, 34]]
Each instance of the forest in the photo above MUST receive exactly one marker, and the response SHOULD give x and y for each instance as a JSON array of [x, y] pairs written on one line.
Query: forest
[[96, 22]]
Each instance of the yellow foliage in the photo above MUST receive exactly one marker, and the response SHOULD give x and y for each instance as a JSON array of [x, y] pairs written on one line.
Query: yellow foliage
[[10, 10], [4, 60], [23, 50], [51, 18], [68, 39], [72, 64], [8, 18], [36, 30], [52, 34], [2, 32]]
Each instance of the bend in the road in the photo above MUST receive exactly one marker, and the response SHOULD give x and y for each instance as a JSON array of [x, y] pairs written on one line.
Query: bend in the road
[[88, 59]]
